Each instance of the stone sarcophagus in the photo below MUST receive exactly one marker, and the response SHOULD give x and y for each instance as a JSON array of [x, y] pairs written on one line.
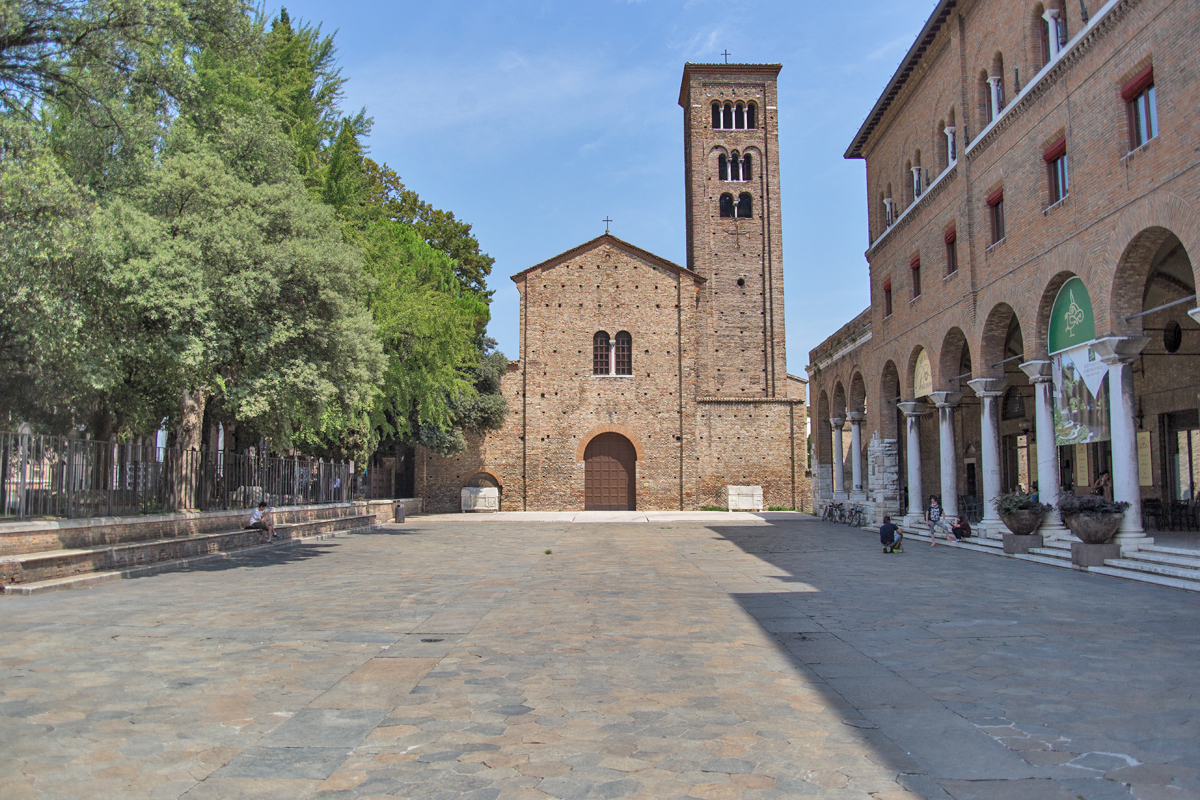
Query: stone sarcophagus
[[742, 498], [482, 498]]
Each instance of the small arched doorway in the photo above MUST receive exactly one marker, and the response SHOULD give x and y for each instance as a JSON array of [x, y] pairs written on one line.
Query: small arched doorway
[[610, 473]]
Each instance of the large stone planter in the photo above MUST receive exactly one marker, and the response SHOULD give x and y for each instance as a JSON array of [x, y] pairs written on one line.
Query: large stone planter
[[1023, 522], [1093, 555], [1094, 528], [1021, 543]]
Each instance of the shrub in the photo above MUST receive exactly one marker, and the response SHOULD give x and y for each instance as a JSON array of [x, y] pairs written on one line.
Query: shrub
[[1012, 502], [1070, 504]]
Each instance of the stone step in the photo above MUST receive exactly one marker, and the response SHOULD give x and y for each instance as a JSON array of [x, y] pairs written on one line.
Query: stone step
[[1052, 561], [1161, 558], [1147, 577], [44, 566], [1171, 551], [93, 578], [1184, 573]]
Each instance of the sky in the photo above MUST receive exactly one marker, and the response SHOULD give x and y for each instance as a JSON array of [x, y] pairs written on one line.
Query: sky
[[533, 120]]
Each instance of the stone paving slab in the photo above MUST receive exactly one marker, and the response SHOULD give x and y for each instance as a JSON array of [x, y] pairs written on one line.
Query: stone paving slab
[[774, 657]]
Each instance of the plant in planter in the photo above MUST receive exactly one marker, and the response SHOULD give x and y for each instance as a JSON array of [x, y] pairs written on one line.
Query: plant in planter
[[1090, 517], [1021, 513]]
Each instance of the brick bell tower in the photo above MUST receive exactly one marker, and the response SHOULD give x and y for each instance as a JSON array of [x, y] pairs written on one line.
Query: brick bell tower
[[731, 173]]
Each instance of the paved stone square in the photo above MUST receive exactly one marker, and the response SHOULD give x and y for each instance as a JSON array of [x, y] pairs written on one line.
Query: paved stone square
[[712, 657]]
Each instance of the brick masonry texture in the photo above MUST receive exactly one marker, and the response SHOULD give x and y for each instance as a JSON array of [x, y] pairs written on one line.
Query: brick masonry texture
[[709, 402], [1123, 208]]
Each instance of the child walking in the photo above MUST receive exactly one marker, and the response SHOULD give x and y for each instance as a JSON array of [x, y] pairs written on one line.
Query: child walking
[[933, 516]]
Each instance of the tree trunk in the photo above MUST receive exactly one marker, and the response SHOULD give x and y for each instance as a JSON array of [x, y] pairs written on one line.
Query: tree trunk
[[191, 432]]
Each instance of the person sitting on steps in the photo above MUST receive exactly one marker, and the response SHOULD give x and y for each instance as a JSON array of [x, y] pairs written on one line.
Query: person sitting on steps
[[256, 522], [961, 529]]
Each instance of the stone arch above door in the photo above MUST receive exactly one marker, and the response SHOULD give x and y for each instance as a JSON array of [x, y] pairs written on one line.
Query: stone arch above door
[[599, 429]]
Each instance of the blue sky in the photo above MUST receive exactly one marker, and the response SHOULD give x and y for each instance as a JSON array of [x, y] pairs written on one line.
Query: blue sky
[[534, 120]]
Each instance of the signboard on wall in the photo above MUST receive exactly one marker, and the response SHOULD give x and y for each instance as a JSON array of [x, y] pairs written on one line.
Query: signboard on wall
[[1072, 322], [1145, 464], [1083, 476], [922, 375]]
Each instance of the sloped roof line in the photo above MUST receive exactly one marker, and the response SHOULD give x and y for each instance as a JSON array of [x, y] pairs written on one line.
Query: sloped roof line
[[620, 244]]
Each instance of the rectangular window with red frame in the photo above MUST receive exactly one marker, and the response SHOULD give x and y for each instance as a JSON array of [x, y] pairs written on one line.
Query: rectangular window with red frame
[[887, 297], [995, 204], [915, 266], [1142, 107], [952, 251], [1055, 157]]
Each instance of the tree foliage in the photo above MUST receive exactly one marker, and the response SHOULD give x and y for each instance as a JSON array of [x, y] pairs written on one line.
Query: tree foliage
[[192, 230]]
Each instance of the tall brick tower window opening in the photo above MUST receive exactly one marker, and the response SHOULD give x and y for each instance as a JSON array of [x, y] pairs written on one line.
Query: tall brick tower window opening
[[726, 205], [1139, 97], [915, 266], [745, 206], [730, 116], [887, 297], [600, 353], [734, 168], [624, 353]]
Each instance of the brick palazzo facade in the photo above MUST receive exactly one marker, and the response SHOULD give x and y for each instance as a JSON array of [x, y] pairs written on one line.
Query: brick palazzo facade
[[647, 385], [1032, 191]]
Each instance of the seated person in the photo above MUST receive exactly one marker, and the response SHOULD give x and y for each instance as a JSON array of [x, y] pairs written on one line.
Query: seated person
[[890, 536], [257, 522], [961, 529]]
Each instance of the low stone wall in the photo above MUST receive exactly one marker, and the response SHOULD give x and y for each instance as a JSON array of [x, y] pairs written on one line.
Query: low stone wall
[[17, 538]]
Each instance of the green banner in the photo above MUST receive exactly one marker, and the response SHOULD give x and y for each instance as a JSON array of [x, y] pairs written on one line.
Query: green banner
[[1072, 322]]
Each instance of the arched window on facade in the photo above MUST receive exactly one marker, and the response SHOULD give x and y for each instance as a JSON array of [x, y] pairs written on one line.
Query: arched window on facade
[[722, 167], [751, 115], [735, 167], [745, 208], [727, 205], [716, 111], [739, 116], [600, 353], [623, 354], [746, 167], [727, 116]]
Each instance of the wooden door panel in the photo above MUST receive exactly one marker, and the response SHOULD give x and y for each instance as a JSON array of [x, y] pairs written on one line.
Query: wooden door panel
[[609, 474]]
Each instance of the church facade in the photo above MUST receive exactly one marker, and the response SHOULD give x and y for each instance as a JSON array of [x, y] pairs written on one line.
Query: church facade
[[648, 385]]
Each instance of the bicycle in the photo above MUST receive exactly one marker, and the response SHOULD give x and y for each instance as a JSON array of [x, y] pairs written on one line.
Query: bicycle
[[834, 512], [856, 517]]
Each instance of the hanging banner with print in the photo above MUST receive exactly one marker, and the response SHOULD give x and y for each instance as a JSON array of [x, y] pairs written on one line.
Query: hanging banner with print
[[1080, 388], [1080, 397], [922, 375]]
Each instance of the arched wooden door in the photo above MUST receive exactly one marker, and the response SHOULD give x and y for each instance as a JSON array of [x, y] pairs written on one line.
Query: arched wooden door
[[610, 474]]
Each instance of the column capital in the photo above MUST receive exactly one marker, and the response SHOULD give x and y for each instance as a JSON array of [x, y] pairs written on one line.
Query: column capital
[[836, 423], [1195, 314], [988, 387], [855, 417], [1038, 370], [1051, 13], [913, 408], [945, 399], [1119, 349]]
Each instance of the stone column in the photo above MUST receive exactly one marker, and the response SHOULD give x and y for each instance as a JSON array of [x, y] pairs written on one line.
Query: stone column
[[856, 462], [947, 450], [913, 411], [994, 94], [916, 171], [839, 466], [1051, 17], [951, 150], [1118, 353], [1042, 378], [989, 391]]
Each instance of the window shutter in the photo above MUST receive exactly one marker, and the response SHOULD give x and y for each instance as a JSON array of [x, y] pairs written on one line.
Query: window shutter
[[951, 235], [1137, 84], [995, 197], [1056, 150]]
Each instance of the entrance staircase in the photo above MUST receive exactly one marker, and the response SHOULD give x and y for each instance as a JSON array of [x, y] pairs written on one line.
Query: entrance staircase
[[1176, 567], [48, 555]]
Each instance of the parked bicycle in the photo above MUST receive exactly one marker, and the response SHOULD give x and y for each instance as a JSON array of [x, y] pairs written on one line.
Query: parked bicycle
[[835, 512], [857, 516]]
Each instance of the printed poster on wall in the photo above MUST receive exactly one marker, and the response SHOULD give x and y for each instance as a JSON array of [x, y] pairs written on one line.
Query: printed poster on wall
[[1145, 464]]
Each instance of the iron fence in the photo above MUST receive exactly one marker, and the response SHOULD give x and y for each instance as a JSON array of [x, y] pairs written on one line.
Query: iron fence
[[53, 476]]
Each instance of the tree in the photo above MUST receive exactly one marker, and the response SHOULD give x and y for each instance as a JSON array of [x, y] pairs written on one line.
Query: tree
[[228, 265], [392, 201]]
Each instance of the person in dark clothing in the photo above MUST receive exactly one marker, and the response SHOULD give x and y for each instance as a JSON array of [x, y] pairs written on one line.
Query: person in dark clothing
[[891, 537], [961, 529]]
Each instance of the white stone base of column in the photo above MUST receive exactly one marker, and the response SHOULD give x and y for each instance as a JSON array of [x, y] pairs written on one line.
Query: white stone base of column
[[915, 521], [858, 497], [1131, 542], [992, 528], [1056, 530]]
